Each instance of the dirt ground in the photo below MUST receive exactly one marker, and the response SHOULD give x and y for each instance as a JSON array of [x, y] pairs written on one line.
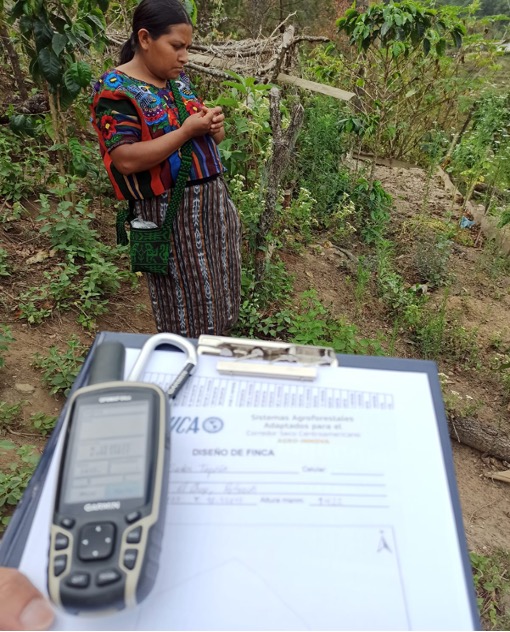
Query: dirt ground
[[482, 301]]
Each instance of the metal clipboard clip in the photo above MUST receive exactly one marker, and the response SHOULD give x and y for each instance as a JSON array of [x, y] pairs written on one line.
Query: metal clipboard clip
[[172, 339], [264, 358]]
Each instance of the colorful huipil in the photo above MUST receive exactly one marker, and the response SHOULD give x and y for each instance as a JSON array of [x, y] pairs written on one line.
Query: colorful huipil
[[201, 292]]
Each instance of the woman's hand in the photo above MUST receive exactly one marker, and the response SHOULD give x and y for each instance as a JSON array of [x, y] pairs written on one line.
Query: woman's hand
[[207, 121], [217, 130], [198, 124], [22, 607]]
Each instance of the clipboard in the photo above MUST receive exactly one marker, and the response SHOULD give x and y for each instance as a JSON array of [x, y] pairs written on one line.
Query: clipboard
[[254, 365]]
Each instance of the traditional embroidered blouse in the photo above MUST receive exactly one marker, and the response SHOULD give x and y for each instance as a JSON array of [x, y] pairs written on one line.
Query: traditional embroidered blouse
[[127, 110]]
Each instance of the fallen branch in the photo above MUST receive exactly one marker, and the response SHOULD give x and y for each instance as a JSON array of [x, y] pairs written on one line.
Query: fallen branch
[[214, 72], [488, 439]]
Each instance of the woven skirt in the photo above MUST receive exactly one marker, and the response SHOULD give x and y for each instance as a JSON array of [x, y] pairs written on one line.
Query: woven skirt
[[201, 293]]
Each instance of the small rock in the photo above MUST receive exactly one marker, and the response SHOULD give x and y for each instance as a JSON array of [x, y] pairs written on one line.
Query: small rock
[[24, 388], [40, 256]]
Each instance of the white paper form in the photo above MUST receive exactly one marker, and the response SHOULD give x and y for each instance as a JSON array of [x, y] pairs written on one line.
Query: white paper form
[[296, 506]]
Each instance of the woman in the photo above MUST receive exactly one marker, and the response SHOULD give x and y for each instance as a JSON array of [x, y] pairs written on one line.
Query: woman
[[143, 133]]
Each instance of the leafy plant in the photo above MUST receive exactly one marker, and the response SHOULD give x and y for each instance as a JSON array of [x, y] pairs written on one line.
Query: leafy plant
[[261, 314], [401, 27], [12, 214], [323, 64], [313, 324], [43, 423], [23, 166], [191, 8], [431, 258], [363, 276], [60, 368], [34, 306], [438, 334], [317, 165], [88, 274], [248, 132], [373, 205], [402, 301], [482, 157], [490, 575], [6, 338], [56, 37], [406, 73], [500, 365], [4, 263], [68, 225], [296, 220], [15, 478], [9, 414], [456, 404]]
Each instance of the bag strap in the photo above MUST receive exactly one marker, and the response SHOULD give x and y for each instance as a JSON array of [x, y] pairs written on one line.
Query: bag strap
[[184, 169], [124, 215]]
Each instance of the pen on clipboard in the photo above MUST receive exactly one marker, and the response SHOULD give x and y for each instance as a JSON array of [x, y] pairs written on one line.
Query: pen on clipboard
[[264, 358]]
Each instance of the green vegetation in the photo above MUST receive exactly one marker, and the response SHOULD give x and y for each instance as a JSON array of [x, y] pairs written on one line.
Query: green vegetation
[[5, 340], [491, 573], [60, 368], [9, 414], [15, 478], [43, 423]]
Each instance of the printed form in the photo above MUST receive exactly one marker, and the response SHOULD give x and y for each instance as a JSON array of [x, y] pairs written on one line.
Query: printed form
[[317, 505]]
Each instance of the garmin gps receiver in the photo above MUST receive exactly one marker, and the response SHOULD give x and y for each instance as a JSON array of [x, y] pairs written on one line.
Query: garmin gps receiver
[[108, 517]]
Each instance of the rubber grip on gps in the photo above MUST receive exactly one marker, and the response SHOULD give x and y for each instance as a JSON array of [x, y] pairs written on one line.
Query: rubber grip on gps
[[107, 363]]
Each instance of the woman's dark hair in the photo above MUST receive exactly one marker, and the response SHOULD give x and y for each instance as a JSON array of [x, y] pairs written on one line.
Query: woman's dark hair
[[157, 16]]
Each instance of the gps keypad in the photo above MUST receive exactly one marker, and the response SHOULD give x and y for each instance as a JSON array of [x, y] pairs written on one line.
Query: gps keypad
[[96, 541]]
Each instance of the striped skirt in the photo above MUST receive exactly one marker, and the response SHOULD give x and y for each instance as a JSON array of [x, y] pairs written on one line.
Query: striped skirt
[[201, 293]]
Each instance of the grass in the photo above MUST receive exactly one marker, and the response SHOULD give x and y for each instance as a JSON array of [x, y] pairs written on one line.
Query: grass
[[491, 575]]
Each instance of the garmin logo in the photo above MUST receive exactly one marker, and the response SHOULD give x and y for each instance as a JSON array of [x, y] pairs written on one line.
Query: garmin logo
[[102, 506], [115, 398]]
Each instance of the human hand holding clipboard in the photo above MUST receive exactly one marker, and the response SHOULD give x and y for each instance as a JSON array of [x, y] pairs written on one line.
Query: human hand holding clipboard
[[22, 607]]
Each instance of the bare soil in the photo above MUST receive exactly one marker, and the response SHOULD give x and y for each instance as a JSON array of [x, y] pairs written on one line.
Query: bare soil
[[479, 298]]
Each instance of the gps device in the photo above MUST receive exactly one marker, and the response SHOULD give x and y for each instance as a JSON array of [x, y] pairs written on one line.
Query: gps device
[[110, 504]]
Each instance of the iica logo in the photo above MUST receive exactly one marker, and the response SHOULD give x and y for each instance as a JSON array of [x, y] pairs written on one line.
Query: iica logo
[[212, 424], [183, 425]]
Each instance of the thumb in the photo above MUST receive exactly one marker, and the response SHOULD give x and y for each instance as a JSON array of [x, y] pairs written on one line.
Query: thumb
[[22, 607]]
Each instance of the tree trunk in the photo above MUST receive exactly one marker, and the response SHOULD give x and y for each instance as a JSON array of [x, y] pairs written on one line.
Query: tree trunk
[[489, 439], [55, 121], [14, 59], [283, 147], [458, 137]]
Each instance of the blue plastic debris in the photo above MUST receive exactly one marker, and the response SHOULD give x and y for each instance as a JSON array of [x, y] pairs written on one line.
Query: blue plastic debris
[[467, 223]]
